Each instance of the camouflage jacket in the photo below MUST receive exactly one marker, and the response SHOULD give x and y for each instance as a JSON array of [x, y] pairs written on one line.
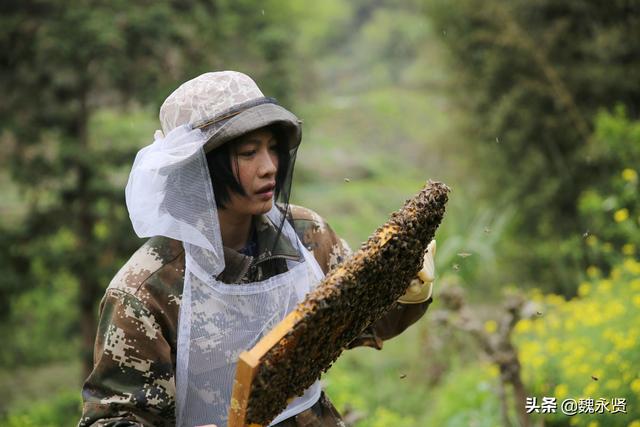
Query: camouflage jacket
[[133, 379]]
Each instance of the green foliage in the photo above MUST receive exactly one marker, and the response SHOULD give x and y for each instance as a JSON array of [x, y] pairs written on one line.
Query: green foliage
[[467, 397], [532, 76], [609, 205], [388, 386], [584, 347], [61, 410], [392, 387], [467, 247], [82, 84], [249, 36], [49, 256], [42, 323], [67, 61], [45, 389]]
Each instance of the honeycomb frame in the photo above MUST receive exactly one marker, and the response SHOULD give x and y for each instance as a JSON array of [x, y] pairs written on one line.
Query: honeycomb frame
[[352, 296]]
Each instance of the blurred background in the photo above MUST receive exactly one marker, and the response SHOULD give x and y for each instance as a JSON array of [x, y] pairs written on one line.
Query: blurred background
[[528, 110]]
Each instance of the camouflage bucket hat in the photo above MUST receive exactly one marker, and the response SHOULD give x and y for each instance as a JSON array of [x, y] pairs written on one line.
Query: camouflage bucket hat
[[225, 105]]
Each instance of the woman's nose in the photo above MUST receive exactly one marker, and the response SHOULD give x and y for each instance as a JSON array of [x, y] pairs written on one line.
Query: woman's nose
[[268, 164]]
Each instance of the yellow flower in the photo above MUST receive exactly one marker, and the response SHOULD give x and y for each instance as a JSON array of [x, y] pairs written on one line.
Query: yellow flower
[[567, 363], [537, 295], [607, 247], [612, 358], [561, 391], [591, 389], [490, 326], [584, 289], [626, 343], [631, 265], [629, 249], [537, 361], [605, 286], [613, 385], [593, 424], [629, 175], [493, 371], [591, 240], [636, 300], [583, 369], [553, 322], [523, 326], [615, 273], [621, 215], [634, 423], [635, 385], [593, 271], [616, 308], [554, 299]]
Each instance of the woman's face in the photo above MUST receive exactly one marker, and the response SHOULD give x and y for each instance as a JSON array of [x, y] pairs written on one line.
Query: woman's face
[[254, 159]]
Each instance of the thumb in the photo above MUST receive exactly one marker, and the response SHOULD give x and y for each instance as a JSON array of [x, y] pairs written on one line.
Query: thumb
[[428, 272]]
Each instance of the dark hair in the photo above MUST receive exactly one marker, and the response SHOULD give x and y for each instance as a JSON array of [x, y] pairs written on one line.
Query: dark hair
[[222, 176]]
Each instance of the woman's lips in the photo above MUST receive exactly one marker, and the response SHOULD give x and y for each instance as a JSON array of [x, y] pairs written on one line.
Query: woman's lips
[[265, 195], [266, 192]]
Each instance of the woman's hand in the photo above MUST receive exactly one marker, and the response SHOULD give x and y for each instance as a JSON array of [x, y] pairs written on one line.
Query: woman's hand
[[421, 287]]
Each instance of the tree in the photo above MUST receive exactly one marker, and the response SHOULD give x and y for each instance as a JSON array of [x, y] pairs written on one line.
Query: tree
[[65, 66], [532, 77], [62, 61]]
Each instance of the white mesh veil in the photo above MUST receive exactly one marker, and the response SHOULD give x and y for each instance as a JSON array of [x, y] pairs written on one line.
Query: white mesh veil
[[169, 193]]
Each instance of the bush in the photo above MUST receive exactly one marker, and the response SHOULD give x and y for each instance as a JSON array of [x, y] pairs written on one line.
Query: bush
[[467, 397], [587, 347], [394, 387], [384, 388], [62, 410], [608, 206]]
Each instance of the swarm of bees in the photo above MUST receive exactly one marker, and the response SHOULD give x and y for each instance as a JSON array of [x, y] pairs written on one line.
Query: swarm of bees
[[351, 297]]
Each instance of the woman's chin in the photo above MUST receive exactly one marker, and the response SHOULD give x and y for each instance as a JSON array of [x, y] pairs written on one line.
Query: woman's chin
[[263, 207]]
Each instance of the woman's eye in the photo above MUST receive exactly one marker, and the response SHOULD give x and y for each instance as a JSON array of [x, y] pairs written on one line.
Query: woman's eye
[[248, 153]]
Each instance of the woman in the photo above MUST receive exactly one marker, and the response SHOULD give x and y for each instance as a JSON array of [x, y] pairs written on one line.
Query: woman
[[224, 264]]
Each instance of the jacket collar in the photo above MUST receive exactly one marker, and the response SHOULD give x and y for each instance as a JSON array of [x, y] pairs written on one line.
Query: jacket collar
[[266, 234], [237, 264]]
